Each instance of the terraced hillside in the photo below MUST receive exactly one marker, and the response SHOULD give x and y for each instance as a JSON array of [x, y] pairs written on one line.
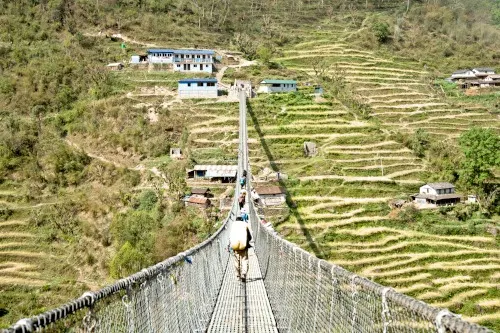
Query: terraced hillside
[[397, 90], [29, 266], [341, 195]]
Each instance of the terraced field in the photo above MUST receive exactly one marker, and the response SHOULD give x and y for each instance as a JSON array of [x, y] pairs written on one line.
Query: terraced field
[[28, 265], [342, 194], [396, 90]]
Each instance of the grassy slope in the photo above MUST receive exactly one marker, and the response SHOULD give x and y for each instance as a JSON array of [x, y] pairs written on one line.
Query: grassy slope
[[341, 195]]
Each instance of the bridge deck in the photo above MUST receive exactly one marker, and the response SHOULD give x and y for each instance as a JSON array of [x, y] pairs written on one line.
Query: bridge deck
[[243, 307]]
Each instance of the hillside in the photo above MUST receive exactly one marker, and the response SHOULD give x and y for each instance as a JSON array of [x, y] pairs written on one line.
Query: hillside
[[88, 190]]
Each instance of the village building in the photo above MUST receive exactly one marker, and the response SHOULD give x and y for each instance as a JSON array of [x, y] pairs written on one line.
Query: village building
[[463, 74], [183, 60], [481, 77], [310, 149], [176, 154], [198, 202], [318, 90], [201, 192], [197, 88], [271, 195], [275, 86], [220, 173], [483, 71], [139, 59], [437, 194], [115, 66]]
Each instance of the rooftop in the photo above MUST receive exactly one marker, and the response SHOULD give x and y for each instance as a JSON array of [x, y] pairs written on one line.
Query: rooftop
[[441, 185], [270, 81], [484, 69], [200, 190], [216, 167], [197, 200], [208, 79], [269, 190], [461, 71], [186, 51]]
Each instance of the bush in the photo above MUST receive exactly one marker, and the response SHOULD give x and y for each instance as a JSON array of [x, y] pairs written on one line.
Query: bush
[[381, 31], [146, 201], [127, 261]]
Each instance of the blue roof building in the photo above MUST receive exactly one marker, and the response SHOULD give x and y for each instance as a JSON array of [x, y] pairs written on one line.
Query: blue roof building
[[197, 88], [183, 60]]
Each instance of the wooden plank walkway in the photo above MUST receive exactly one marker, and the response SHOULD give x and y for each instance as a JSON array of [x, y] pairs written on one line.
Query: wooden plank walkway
[[243, 307]]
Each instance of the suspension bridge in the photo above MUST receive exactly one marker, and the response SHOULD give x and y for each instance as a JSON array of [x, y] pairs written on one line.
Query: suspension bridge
[[287, 290]]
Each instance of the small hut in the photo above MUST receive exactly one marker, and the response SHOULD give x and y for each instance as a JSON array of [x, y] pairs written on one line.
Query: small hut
[[199, 202], [201, 192]]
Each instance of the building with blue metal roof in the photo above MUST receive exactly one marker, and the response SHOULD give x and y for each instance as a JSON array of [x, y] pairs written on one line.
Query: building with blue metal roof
[[197, 88], [180, 60], [272, 86]]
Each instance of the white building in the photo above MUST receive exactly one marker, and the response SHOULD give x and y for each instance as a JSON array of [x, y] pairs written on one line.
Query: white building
[[463, 74], [221, 173], [183, 60], [197, 88], [271, 195], [437, 194], [273, 86]]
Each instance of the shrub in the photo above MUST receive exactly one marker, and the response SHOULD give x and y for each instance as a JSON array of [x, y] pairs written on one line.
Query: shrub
[[381, 31], [127, 261]]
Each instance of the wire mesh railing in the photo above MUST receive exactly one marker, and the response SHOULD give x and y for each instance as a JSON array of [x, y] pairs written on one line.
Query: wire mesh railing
[[311, 295]]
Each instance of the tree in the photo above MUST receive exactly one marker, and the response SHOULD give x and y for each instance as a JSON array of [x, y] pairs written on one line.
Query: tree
[[481, 148], [175, 177], [127, 261], [419, 142], [381, 31], [264, 54]]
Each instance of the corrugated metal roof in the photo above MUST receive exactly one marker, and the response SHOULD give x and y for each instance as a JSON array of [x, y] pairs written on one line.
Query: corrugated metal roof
[[197, 200], [177, 51], [269, 190], [208, 79], [269, 81], [441, 185], [200, 190], [484, 69], [160, 50], [209, 52]]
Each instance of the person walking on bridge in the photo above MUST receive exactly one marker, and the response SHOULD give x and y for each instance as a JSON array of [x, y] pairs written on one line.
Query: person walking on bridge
[[239, 240]]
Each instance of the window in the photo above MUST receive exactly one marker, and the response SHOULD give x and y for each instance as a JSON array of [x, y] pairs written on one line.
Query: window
[[210, 84], [189, 84], [195, 65], [200, 84], [178, 66], [276, 85]]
